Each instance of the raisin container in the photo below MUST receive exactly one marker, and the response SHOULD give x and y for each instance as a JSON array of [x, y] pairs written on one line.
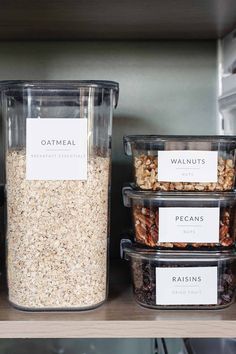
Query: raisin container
[[183, 220], [58, 154], [182, 163], [181, 279]]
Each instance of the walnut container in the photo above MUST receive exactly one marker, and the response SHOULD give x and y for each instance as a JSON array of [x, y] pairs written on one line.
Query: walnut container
[[182, 163]]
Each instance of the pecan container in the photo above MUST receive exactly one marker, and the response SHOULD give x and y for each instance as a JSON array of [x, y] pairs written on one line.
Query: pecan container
[[181, 279], [182, 220], [182, 163]]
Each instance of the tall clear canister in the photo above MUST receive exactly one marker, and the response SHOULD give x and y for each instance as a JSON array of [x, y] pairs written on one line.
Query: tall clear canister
[[58, 157]]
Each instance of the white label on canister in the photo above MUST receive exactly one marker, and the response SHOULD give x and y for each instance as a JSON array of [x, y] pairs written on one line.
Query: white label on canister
[[191, 225], [186, 286], [187, 166], [56, 149]]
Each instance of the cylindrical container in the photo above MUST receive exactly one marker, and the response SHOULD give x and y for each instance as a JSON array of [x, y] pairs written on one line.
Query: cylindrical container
[[183, 220], [58, 145], [181, 279], [182, 163]]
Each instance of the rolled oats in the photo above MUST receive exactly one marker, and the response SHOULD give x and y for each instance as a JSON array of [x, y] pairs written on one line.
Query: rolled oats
[[57, 237]]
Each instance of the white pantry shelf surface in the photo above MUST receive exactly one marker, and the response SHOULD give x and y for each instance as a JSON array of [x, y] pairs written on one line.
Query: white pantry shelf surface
[[120, 317]]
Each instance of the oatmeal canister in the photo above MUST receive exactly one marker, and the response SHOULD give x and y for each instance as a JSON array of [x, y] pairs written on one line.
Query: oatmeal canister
[[182, 163], [181, 279], [183, 220], [58, 145]]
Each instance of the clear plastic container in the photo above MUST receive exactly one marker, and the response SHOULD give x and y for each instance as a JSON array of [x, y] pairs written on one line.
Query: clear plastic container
[[210, 345], [182, 163], [183, 220], [58, 154], [227, 106], [181, 279], [78, 346]]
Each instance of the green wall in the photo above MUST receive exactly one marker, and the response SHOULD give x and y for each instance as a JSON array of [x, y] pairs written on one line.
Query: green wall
[[166, 87]]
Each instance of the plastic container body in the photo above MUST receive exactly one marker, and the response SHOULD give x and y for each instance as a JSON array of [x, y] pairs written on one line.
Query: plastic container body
[[182, 163], [58, 145], [183, 220], [210, 345], [181, 279], [227, 106]]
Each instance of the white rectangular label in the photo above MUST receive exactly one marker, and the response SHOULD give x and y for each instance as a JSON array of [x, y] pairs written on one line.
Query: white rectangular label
[[187, 166], [191, 225], [56, 149], [186, 286]]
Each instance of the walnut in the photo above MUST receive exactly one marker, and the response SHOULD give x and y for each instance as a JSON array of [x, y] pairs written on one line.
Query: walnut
[[146, 175]]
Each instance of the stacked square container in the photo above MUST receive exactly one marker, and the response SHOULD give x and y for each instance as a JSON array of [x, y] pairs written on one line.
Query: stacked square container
[[183, 207]]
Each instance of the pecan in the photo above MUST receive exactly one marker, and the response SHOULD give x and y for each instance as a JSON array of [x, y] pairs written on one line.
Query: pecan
[[226, 241], [153, 236], [147, 228], [225, 219], [180, 244], [144, 220], [223, 230], [140, 233]]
